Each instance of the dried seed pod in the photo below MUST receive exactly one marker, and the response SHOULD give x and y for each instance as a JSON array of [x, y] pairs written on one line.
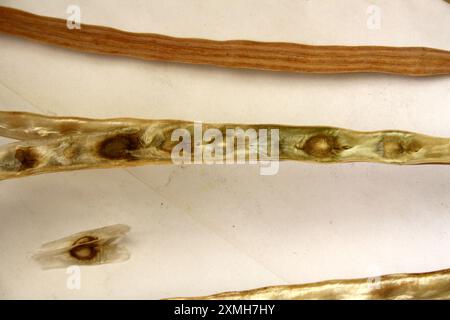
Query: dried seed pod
[[92, 247], [131, 142], [274, 56], [431, 285]]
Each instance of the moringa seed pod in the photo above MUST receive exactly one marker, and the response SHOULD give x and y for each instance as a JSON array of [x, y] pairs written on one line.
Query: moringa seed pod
[[431, 285], [61, 144], [274, 56]]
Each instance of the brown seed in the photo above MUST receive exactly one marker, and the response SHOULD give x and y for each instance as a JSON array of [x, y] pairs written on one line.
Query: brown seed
[[119, 146], [414, 146], [27, 157], [83, 249]]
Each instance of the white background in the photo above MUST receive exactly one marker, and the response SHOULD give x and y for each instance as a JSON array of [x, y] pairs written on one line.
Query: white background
[[199, 230]]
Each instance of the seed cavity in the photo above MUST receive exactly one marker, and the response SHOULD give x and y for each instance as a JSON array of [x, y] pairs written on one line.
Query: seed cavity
[[321, 146], [27, 157], [394, 147], [72, 151], [83, 249], [119, 146]]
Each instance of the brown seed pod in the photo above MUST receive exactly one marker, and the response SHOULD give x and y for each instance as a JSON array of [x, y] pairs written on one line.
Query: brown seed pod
[[274, 56]]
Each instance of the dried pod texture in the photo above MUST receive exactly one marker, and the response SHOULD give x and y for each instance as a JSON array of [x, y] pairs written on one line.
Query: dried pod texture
[[432, 285], [275, 56], [131, 142], [92, 247]]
